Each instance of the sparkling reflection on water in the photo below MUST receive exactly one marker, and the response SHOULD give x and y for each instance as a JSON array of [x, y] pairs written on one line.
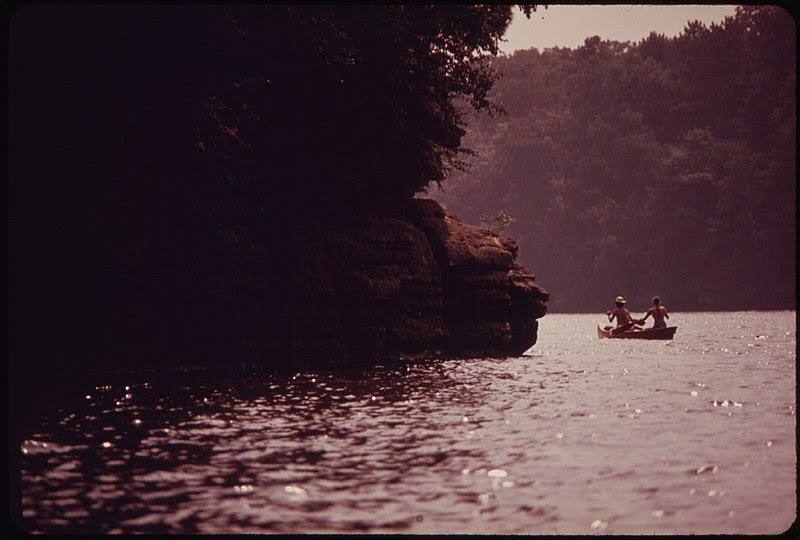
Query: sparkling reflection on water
[[579, 436]]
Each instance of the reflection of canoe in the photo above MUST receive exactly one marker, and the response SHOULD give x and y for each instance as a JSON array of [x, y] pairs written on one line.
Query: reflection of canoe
[[647, 333]]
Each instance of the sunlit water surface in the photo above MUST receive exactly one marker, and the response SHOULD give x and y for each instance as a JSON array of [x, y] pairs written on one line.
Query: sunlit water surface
[[579, 436]]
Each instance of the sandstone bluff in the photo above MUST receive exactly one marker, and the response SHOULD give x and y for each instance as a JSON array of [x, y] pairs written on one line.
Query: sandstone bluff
[[418, 282]]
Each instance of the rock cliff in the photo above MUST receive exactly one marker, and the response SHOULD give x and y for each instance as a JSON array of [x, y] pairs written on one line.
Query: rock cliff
[[417, 282]]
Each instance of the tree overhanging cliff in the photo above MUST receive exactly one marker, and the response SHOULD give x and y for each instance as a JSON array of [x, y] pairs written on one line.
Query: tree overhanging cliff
[[168, 161], [339, 105]]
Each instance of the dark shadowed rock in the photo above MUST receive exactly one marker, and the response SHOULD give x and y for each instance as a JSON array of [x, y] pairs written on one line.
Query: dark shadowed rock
[[382, 282], [418, 283]]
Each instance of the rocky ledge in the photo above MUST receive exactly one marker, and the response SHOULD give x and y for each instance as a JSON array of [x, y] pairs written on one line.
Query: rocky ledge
[[418, 282]]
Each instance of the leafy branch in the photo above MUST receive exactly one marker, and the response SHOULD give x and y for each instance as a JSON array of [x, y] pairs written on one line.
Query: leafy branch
[[498, 223]]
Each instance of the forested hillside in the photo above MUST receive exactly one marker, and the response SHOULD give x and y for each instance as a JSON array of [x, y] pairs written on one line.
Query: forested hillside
[[664, 167]]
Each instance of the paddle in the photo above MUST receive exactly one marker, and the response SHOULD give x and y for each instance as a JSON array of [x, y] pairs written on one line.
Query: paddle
[[622, 328], [627, 326]]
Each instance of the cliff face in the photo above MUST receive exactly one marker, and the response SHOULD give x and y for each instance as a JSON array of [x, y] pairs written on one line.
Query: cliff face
[[418, 282]]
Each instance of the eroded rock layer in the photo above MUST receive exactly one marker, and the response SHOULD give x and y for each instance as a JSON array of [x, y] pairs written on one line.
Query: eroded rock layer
[[419, 282]]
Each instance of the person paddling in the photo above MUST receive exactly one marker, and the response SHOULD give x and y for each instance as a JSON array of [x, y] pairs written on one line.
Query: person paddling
[[658, 312], [623, 316]]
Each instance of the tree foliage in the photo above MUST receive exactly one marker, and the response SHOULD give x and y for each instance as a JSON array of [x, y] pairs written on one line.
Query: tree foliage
[[165, 158], [344, 106], [664, 166]]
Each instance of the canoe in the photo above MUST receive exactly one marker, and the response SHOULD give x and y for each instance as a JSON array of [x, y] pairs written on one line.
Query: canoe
[[647, 333]]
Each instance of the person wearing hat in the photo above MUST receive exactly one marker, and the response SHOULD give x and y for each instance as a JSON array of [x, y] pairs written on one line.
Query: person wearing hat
[[658, 312], [623, 316]]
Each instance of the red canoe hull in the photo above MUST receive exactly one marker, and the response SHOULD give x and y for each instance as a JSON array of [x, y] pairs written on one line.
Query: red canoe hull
[[648, 333]]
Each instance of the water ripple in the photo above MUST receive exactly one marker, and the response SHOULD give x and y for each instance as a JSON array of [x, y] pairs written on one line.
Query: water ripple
[[581, 436]]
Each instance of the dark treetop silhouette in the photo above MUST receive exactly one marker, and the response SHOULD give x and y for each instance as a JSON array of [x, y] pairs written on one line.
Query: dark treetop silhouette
[[172, 166]]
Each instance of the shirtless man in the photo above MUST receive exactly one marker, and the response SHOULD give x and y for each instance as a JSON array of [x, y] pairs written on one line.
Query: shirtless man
[[622, 315], [658, 312]]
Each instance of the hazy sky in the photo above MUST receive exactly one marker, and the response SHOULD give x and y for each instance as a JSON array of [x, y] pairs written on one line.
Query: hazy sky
[[568, 25]]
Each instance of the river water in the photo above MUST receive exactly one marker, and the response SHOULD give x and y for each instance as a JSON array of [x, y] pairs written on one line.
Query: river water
[[578, 436]]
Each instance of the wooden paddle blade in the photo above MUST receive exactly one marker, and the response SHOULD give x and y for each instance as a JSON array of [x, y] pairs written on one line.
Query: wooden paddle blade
[[620, 329]]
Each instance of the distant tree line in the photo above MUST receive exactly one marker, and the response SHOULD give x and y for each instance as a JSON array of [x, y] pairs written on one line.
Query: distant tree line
[[666, 166]]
